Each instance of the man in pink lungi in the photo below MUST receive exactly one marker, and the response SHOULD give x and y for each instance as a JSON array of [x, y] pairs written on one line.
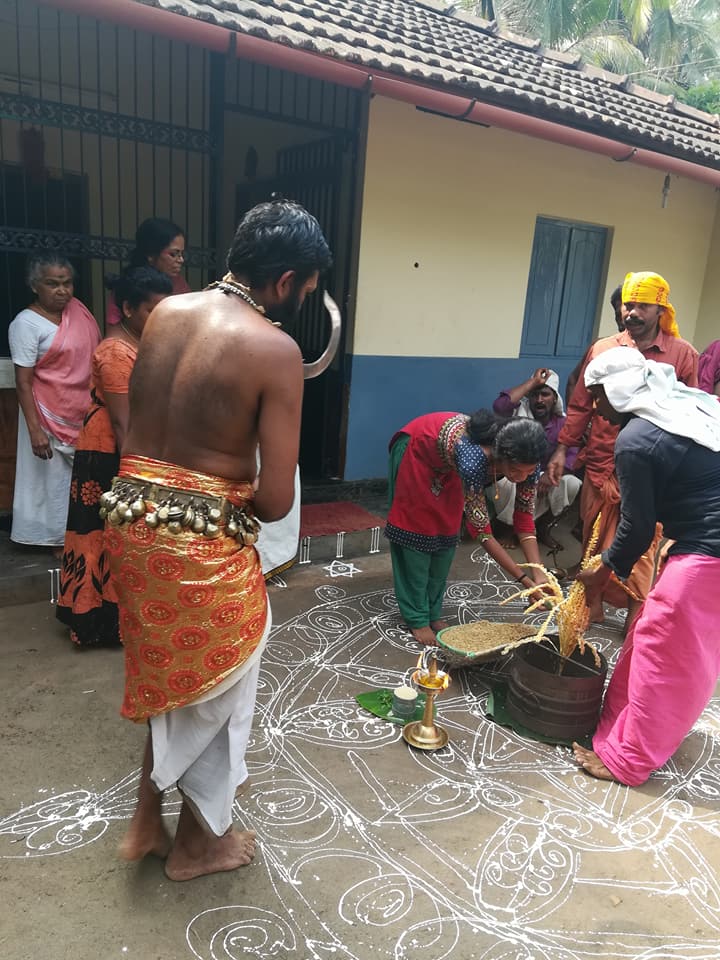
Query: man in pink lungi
[[667, 458]]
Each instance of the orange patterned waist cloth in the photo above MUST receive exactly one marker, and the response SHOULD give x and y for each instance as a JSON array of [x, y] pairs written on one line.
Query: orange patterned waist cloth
[[192, 609]]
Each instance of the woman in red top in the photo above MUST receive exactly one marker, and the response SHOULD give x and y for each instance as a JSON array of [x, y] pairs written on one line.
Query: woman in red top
[[439, 466], [86, 601]]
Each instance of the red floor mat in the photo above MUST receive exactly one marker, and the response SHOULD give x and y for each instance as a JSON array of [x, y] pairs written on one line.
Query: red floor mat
[[326, 519]]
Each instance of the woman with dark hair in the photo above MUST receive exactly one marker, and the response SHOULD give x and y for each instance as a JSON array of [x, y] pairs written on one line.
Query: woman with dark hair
[[159, 244], [439, 466], [86, 601], [51, 344]]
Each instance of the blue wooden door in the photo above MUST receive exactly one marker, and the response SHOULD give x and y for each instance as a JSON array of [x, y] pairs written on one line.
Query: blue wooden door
[[563, 288]]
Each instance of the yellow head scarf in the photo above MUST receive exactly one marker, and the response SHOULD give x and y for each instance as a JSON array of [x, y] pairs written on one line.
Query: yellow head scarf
[[648, 287]]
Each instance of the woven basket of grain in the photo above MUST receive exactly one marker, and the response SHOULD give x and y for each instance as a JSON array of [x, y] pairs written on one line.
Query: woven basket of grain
[[471, 643]]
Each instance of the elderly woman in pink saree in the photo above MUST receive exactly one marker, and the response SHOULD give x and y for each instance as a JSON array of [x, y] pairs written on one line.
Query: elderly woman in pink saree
[[51, 343], [667, 458]]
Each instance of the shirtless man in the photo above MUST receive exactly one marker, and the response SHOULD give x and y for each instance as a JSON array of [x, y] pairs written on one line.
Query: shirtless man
[[215, 378]]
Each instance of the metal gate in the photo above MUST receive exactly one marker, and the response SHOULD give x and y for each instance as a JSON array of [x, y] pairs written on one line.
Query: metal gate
[[314, 174], [319, 171], [100, 127]]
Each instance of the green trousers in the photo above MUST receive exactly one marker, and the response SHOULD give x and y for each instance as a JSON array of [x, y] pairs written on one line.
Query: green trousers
[[420, 578]]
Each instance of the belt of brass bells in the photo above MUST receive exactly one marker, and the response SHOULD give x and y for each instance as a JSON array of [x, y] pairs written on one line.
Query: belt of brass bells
[[178, 510]]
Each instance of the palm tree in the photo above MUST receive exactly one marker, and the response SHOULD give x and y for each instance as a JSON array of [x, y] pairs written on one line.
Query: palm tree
[[666, 44]]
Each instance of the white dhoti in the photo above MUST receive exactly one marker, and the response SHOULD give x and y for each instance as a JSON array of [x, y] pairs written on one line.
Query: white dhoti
[[201, 747], [42, 491], [555, 500], [278, 541], [559, 498]]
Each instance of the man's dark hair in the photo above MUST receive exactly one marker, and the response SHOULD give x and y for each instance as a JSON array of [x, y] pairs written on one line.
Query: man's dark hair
[[616, 296], [137, 284], [275, 237]]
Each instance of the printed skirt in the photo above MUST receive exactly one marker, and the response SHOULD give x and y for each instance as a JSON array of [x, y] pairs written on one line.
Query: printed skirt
[[87, 603]]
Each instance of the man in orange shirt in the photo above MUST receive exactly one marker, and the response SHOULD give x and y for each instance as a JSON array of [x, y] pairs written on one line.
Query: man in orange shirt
[[650, 327], [619, 311]]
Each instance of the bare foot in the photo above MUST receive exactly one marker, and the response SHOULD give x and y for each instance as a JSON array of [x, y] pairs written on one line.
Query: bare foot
[[596, 611], [438, 625], [544, 535], [423, 635], [508, 540], [243, 787], [591, 763], [142, 839], [505, 535], [633, 611], [234, 849]]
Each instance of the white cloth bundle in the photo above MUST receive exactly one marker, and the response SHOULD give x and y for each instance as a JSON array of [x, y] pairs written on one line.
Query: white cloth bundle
[[652, 391]]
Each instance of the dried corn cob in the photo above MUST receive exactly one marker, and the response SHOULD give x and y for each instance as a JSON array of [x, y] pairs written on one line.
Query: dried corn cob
[[570, 613]]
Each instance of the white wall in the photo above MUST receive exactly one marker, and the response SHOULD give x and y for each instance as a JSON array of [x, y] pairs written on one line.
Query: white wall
[[461, 201], [708, 325]]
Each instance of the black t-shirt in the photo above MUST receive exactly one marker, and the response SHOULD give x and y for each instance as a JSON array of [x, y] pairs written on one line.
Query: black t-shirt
[[664, 479]]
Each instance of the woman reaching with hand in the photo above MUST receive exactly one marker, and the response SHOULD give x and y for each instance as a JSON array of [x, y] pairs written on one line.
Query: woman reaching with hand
[[439, 465]]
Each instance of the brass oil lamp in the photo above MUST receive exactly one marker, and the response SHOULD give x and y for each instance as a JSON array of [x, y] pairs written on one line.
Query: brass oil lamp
[[425, 734]]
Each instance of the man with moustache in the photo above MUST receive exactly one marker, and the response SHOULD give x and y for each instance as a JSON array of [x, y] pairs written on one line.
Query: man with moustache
[[539, 398], [651, 328], [667, 457], [215, 379]]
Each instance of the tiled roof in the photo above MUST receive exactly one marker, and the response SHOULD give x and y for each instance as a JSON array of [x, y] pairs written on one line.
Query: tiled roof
[[423, 43]]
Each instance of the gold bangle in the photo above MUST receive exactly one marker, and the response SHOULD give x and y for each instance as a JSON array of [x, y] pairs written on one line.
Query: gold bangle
[[530, 536]]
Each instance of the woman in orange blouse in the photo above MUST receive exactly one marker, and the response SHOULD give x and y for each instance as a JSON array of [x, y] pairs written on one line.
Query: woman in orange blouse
[[86, 602]]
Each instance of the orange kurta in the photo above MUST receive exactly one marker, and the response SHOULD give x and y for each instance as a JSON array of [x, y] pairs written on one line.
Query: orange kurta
[[192, 610], [600, 491]]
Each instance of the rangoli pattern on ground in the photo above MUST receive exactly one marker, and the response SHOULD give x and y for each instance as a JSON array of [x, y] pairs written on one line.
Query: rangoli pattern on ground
[[477, 848]]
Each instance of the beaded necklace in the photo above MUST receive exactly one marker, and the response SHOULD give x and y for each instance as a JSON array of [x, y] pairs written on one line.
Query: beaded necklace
[[229, 284]]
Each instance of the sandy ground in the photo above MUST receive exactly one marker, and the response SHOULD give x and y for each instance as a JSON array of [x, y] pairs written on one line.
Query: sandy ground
[[496, 848]]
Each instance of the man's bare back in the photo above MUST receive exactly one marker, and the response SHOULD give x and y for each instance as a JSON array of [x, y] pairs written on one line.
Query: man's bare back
[[214, 378], [214, 382]]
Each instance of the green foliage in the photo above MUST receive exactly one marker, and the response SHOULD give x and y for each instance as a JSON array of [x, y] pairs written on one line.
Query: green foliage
[[668, 45], [704, 96]]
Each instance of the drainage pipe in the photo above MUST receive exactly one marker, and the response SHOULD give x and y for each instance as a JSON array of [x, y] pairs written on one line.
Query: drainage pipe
[[140, 16]]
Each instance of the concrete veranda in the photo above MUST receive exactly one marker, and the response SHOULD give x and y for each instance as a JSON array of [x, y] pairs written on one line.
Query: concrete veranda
[[496, 848]]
